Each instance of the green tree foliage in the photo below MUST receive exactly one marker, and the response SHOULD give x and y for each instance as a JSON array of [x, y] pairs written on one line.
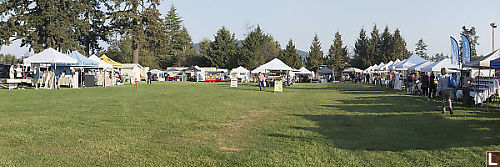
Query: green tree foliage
[[421, 49], [386, 46], [257, 48], [473, 40], [315, 54], [290, 56], [133, 19], [9, 59], [399, 50], [223, 49], [374, 46], [361, 58], [63, 25], [180, 42], [438, 57], [337, 55]]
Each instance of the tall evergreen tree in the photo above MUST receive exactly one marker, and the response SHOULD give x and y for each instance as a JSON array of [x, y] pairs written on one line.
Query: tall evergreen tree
[[421, 49], [337, 55], [129, 18], [386, 46], [374, 46], [257, 48], [180, 42], [63, 25], [473, 41], [438, 57], [315, 54], [361, 58], [399, 50], [290, 56], [223, 49]]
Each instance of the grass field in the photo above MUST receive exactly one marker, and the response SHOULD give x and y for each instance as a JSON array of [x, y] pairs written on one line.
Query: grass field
[[207, 124]]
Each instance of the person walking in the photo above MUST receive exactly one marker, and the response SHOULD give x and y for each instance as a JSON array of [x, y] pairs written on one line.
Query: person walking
[[261, 82], [444, 89]]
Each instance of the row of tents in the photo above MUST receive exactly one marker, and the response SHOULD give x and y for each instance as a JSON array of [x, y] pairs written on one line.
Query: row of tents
[[417, 63], [74, 59]]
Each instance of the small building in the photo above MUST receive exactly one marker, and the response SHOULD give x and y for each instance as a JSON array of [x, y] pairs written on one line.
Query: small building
[[132, 71]]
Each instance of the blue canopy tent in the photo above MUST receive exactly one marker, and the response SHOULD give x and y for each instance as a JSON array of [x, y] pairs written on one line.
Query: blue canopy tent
[[495, 63], [82, 61]]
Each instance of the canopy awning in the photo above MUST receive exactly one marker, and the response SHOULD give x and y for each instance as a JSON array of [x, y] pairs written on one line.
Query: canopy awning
[[240, 69], [353, 69], [485, 61], [102, 64], [111, 61], [82, 60], [325, 70], [419, 67], [411, 61], [275, 64], [50, 55], [436, 67]]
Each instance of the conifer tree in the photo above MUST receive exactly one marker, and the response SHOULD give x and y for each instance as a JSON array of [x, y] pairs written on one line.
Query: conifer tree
[[290, 56], [315, 54], [374, 46], [223, 49], [337, 55], [421, 49], [361, 58]]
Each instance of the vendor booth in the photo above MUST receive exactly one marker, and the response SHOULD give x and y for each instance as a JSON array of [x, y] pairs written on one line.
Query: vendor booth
[[111, 61], [241, 73], [303, 75], [157, 75], [326, 75], [49, 59], [173, 74], [275, 70], [411, 61]]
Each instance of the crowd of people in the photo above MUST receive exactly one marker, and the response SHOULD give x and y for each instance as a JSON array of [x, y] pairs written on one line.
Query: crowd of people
[[429, 85]]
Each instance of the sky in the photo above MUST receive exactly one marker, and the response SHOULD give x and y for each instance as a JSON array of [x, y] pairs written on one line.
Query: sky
[[434, 21]]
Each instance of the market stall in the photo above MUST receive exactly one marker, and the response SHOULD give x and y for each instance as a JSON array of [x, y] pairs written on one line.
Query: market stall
[[50, 59], [241, 73]]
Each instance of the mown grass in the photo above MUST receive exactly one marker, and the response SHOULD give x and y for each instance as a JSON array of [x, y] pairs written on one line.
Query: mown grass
[[207, 124]]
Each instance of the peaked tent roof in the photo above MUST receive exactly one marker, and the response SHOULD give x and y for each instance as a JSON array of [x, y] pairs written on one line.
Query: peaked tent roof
[[101, 64], [392, 66], [325, 70], [386, 66], [82, 60], [173, 70], [50, 55], [419, 67], [275, 64], [240, 69], [379, 68], [111, 61], [411, 61], [352, 69], [436, 67], [485, 61], [304, 70]]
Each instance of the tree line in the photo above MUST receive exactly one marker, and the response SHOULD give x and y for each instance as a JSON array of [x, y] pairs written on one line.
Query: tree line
[[138, 33]]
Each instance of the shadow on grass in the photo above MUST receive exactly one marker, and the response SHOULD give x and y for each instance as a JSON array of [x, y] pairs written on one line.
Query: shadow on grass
[[401, 132], [372, 123]]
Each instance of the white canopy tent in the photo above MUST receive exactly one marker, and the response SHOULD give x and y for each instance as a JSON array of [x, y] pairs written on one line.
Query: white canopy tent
[[485, 61], [353, 70], [411, 61], [304, 71], [241, 73], [392, 66], [380, 66], [419, 67], [386, 66], [275, 64], [436, 66], [49, 56], [373, 68], [102, 64]]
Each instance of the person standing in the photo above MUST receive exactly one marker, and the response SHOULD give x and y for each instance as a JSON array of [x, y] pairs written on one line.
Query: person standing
[[261, 82], [432, 86], [425, 85], [467, 88], [444, 89], [19, 71], [149, 77]]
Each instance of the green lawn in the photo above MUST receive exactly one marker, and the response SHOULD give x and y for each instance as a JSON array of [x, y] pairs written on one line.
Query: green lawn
[[207, 124]]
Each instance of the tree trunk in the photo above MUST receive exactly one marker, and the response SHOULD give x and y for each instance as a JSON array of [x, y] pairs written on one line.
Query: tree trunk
[[135, 52]]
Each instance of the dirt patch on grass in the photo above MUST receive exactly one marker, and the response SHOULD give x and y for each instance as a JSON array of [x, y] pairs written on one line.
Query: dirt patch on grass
[[232, 133]]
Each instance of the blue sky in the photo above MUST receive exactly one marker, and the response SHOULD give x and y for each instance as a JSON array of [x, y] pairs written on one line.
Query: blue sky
[[432, 20]]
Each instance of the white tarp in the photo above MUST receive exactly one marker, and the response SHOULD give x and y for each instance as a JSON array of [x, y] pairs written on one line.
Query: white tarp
[[241, 73], [413, 60], [275, 64], [380, 66], [436, 67], [102, 64], [353, 69], [239, 69], [386, 66], [419, 67], [50, 56]]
